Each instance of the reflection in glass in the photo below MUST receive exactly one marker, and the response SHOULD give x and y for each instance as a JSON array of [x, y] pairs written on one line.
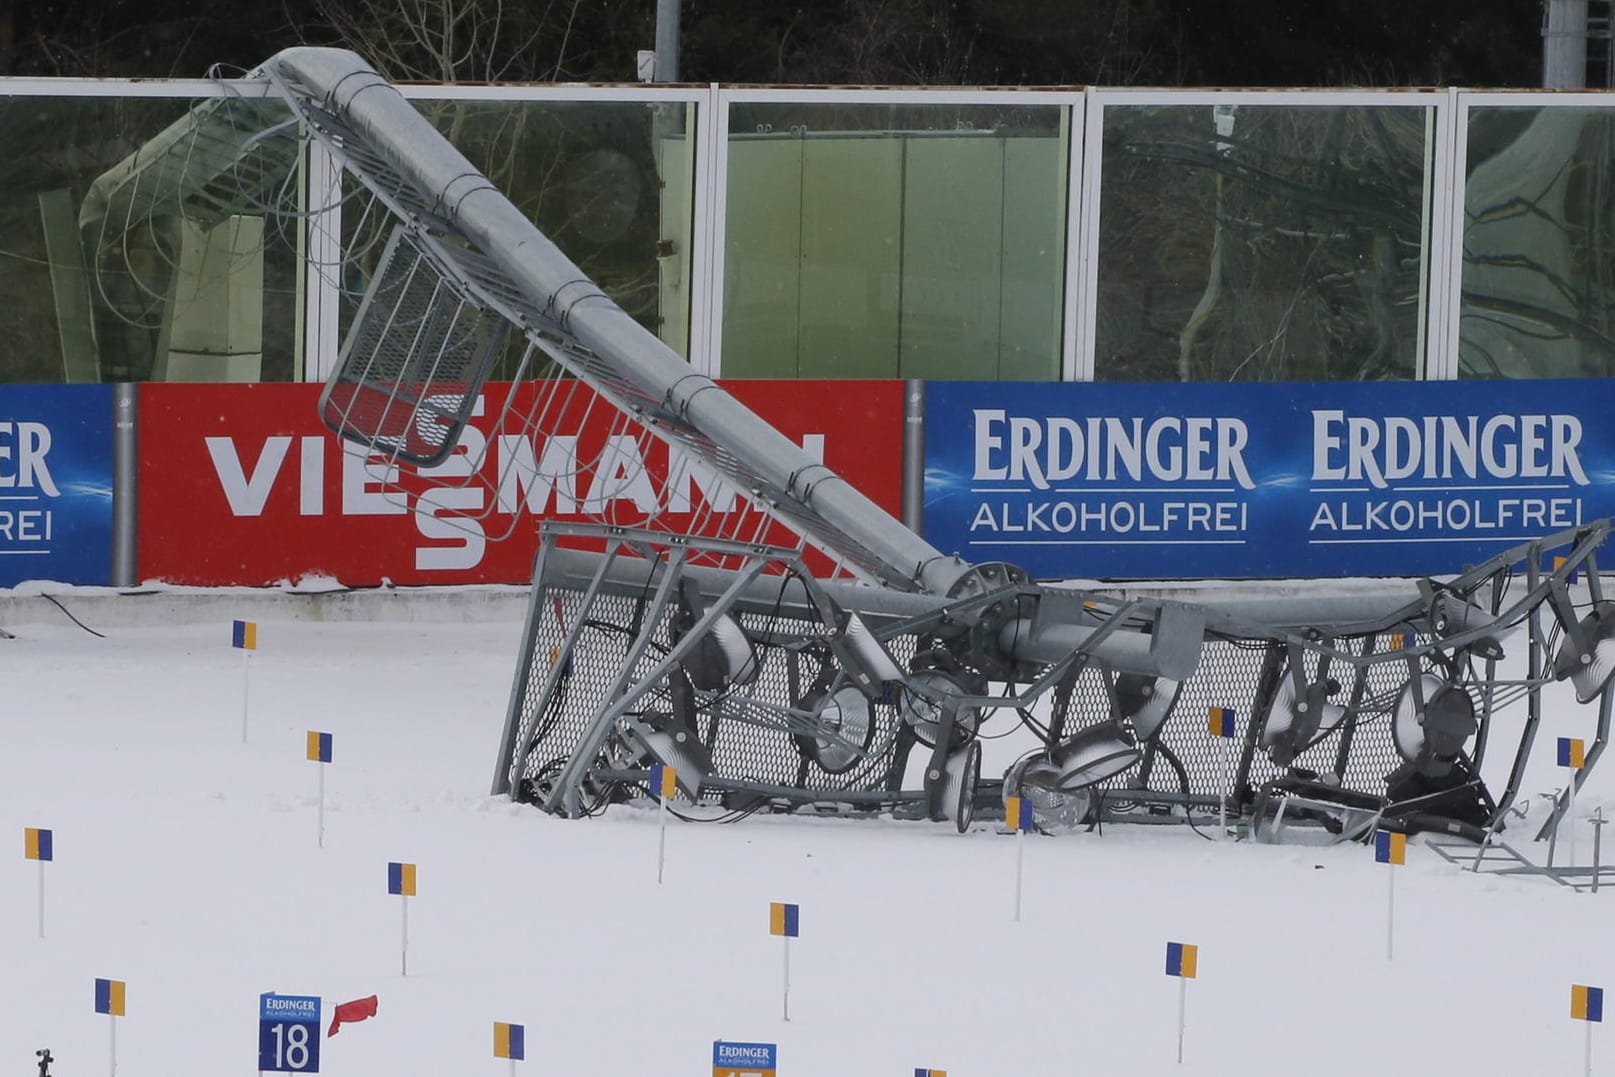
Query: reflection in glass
[[609, 182], [876, 241], [1261, 243], [139, 240], [1539, 244]]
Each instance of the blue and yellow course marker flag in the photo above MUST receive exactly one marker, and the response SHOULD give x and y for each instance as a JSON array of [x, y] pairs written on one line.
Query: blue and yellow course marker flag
[[1390, 848], [37, 844], [1018, 814], [319, 747], [1221, 721], [109, 997], [664, 780], [509, 1041], [401, 879], [1572, 752], [244, 635], [1182, 958], [1586, 1003], [784, 919], [920, 1071]]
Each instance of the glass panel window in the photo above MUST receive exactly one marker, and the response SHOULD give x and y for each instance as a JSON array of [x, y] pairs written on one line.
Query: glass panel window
[[609, 182], [1262, 242], [883, 241], [144, 239], [1538, 295]]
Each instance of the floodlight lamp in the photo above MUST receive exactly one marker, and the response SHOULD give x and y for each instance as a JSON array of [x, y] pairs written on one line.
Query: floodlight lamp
[[1089, 757], [924, 697], [724, 656], [1451, 615], [1146, 700], [846, 724], [1292, 724], [1587, 653], [1432, 721], [677, 748]]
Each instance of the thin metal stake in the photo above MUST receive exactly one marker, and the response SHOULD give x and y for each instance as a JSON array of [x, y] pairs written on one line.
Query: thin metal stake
[[246, 671], [403, 953], [1588, 1056], [1598, 833], [1390, 910], [1222, 802], [1570, 817], [1183, 997], [661, 837], [322, 804], [41, 899], [113, 1018], [786, 998], [1020, 852]]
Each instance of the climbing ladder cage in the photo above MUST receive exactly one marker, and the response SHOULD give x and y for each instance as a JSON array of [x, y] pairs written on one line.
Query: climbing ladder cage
[[453, 285]]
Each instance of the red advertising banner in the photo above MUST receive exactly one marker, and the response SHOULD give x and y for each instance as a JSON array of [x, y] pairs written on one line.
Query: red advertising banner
[[243, 485]]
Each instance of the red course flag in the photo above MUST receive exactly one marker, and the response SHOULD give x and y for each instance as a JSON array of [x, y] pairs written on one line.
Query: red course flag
[[348, 1012]]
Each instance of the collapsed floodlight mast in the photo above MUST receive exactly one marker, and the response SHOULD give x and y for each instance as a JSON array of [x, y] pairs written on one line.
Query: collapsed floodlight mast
[[726, 649]]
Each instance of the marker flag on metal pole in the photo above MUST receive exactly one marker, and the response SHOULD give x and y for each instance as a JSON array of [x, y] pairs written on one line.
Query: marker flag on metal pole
[[784, 919], [401, 881], [1560, 562], [109, 1000], [1586, 1003], [319, 747], [1182, 958], [1390, 847], [244, 635], [664, 784], [920, 1071], [1396, 641], [1182, 961], [509, 1041], [1220, 721], [37, 843], [109, 997], [1572, 752]]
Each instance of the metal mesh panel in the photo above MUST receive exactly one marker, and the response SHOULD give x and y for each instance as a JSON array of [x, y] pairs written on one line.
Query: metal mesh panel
[[748, 741]]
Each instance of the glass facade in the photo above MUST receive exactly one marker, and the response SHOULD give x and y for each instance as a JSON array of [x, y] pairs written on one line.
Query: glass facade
[[882, 241], [1262, 243], [906, 233], [117, 272], [1538, 244]]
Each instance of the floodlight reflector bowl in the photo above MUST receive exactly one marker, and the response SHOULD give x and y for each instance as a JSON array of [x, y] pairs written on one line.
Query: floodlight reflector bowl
[[1091, 756], [925, 714], [962, 773], [1146, 700], [1589, 669], [1438, 731], [848, 723]]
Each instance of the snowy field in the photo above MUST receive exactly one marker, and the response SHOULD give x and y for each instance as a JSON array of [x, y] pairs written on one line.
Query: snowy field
[[186, 865]]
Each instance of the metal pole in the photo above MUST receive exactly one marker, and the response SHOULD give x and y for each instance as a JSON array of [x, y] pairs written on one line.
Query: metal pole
[[1227, 782], [1587, 1056], [786, 998], [1598, 834], [322, 804], [1020, 849], [125, 485], [113, 1018], [1570, 817], [403, 953], [914, 455], [1390, 910], [41, 899], [1564, 45], [667, 40], [1183, 998], [661, 837], [246, 674]]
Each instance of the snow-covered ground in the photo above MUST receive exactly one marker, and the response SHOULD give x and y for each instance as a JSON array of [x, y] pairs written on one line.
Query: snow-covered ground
[[186, 865]]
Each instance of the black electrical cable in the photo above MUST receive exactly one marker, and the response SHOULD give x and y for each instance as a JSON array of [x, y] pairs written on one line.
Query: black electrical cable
[[70, 617]]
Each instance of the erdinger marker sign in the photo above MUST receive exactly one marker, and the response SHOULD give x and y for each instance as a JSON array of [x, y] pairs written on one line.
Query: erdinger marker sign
[[1297, 479], [241, 484], [55, 483]]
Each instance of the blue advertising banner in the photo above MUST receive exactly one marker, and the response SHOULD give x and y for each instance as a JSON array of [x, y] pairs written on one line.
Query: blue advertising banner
[[55, 483], [1185, 481]]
